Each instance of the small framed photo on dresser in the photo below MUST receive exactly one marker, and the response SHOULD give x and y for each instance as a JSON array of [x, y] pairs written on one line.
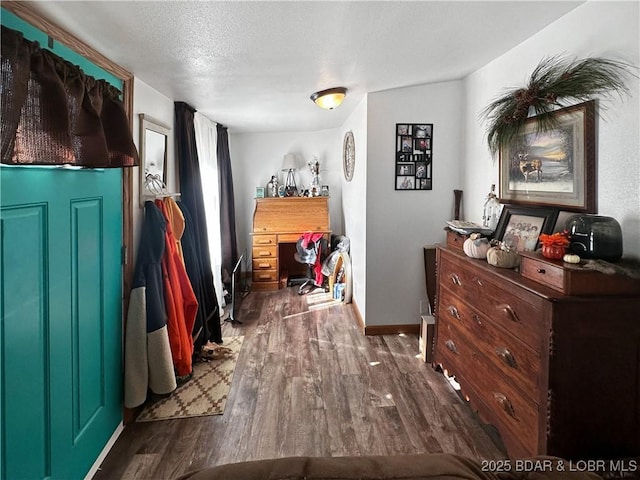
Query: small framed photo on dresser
[[259, 192]]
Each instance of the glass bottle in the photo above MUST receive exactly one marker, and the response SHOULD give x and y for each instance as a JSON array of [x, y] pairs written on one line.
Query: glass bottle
[[491, 210], [272, 187]]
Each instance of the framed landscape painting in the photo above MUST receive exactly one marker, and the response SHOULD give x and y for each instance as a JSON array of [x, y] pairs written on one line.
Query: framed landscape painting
[[555, 167]]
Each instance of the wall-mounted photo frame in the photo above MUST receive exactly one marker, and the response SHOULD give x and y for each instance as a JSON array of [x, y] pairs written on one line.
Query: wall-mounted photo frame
[[154, 140], [413, 162], [520, 226], [556, 167]]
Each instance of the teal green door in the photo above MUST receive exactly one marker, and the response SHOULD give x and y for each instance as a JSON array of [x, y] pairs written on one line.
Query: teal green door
[[60, 384]]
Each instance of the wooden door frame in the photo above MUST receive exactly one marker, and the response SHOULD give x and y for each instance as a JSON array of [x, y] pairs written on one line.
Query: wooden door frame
[[26, 12]]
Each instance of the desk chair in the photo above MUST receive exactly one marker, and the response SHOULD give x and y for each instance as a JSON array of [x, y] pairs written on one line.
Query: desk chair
[[310, 248]]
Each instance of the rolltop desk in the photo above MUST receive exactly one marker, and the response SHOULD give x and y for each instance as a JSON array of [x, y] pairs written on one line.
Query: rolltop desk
[[278, 223]]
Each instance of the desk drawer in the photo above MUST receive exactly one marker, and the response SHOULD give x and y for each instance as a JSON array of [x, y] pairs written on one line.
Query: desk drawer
[[264, 240], [264, 264], [260, 252], [265, 276]]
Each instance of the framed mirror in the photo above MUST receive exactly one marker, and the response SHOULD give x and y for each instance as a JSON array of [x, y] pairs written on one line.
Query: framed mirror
[[154, 138]]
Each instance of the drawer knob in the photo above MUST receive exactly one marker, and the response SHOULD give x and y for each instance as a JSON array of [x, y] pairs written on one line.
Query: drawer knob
[[476, 317], [541, 270], [478, 281], [508, 309], [451, 346], [264, 242], [505, 404], [455, 279], [264, 265], [264, 254], [507, 357], [453, 311], [264, 277]]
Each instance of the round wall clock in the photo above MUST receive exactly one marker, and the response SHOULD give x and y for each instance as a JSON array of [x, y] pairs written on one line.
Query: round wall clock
[[348, 156]]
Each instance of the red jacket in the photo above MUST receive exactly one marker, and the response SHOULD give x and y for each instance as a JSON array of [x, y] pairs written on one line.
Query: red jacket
[[180, 302]]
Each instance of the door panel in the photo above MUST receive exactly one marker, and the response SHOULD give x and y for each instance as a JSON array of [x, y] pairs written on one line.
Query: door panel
[[61, 319], [25, 329]]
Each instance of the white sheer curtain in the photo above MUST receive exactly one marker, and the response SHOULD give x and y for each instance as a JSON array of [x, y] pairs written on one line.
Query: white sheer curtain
[[206, 139]]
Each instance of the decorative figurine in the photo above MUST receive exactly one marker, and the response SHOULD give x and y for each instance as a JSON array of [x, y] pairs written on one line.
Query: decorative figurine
[[272, 187], [314, 188]]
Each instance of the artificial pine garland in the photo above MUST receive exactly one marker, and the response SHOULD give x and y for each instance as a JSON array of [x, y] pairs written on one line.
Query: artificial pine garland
[[556, 82]]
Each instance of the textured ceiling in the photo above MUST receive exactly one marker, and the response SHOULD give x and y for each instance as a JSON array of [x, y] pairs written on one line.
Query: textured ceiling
[[252, 65]]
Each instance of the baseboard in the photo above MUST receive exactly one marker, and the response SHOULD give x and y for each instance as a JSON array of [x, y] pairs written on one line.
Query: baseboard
[[358, 315], [105, 451], [382, 329], [392, 329]]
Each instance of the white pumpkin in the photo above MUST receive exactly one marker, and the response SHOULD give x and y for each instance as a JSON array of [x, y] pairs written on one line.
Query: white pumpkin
[[571, 258], [475, 246]]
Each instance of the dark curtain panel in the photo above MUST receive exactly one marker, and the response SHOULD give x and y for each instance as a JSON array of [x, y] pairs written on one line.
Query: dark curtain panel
[[191, 198], [52, 113], [227, 205]]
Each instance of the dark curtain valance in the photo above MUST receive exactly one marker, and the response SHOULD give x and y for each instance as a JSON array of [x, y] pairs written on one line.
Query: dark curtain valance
[[53, 113]]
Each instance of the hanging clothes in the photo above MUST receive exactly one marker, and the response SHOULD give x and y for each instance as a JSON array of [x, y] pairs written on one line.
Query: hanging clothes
[[180, 302], [177, 222], [309, 249], [148, 364]]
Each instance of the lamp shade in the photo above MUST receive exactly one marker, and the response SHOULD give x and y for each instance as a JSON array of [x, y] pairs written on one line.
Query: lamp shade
[[289, 162], [329, 99]]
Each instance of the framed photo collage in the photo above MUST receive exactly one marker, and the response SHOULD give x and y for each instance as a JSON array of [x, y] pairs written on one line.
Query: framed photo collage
[[414, 144]]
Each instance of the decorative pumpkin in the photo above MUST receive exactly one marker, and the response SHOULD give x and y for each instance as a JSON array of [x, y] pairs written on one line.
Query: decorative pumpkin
[[475, 246], [571, 258], [503, 258]]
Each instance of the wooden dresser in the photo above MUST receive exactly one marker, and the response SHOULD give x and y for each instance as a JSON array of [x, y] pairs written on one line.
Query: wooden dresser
[[556, 374], [278, 221]]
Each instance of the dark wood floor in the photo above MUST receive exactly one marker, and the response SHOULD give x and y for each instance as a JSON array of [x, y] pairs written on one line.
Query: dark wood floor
[[308, 382]]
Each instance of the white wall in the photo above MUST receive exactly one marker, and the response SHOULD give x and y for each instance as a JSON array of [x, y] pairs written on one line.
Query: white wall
[[605, 29], [400, 223], [354, 207], [388, 228], [150, 102], [257, 156]]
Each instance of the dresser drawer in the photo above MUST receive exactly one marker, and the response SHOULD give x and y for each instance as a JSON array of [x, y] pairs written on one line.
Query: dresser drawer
[[508, 356], [452, 351], [264, 240], [498, 402], [456, 240], [500, 405], [260, 252], [550, 275], [574, 279], [515, 310]]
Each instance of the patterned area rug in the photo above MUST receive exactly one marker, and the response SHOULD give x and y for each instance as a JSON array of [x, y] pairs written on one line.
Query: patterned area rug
[[205, 394]]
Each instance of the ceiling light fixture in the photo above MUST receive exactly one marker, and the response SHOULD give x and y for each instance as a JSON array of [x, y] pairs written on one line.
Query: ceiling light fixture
[[330, 98]]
